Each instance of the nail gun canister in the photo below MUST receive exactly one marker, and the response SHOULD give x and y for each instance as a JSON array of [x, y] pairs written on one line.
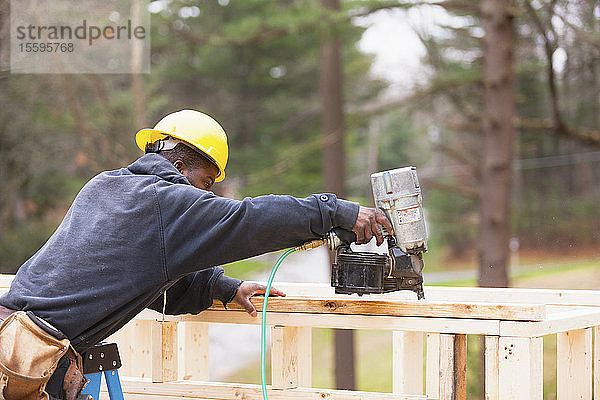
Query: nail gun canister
[[398, 194], [359, 272]]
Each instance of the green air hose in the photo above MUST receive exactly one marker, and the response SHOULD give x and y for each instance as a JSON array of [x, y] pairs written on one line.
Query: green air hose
[[263, 331]]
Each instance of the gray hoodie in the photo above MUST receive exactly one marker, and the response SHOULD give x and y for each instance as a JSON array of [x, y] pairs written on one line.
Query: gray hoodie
[[133, 233]]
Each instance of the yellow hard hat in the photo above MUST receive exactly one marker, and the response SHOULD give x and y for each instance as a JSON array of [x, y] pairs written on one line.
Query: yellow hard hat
[[197, 129]]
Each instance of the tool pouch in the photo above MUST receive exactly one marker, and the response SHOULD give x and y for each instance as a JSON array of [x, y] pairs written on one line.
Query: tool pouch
[[28, 357]]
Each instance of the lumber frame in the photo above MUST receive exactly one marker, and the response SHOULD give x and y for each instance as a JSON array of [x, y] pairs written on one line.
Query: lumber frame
[[174, 354]]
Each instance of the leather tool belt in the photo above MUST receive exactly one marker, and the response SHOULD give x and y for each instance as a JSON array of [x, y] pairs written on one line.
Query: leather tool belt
[[30, 350]]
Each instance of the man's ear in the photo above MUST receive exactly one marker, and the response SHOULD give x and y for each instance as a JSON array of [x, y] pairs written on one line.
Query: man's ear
[[179, 165]]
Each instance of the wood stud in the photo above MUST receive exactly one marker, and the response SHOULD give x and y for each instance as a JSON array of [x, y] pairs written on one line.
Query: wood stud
[[291, 360], [164, 351], [520, 366], [407, 364], [574, 365]]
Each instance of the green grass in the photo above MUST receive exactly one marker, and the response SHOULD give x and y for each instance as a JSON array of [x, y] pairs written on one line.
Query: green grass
[[556, 268], [543, 270], [244, 268]]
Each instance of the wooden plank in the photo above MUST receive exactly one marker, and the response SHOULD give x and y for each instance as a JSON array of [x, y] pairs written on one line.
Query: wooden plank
[[520, 368], [193, 353], [460, 367], [432, 381], [274, 394], [574, 365], [164, 351], [446, 367], [576, 318], [440, 293], [407, 366], [597, 362], [492, 384], [442, 325], [463, 294], [139, 347], [136, 388], [291, 349], [452, 367], [514, 295], [304, 356], [370, 306]]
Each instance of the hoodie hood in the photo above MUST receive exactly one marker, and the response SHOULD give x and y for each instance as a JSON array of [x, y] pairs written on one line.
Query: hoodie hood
[[155, 164]]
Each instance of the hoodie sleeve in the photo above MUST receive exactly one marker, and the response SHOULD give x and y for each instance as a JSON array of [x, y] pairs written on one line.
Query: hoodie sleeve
[[202, 230], [195, 292]]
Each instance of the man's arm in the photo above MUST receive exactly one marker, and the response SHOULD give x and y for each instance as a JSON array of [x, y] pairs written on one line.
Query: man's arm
[[202, 230], [195, 292]]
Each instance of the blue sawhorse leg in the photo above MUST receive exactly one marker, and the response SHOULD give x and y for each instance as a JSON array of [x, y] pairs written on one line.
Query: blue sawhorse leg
[[113, 383]]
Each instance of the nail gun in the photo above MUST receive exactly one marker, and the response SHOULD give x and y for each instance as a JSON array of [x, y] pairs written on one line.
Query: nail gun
[[398, 195]]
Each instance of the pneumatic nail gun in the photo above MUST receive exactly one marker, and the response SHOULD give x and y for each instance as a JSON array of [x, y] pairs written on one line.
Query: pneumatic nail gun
[[398, 195]]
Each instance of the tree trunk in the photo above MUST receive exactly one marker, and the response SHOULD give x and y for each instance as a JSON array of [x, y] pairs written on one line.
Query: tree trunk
[[498, 98], [137, 54], [333, 172]]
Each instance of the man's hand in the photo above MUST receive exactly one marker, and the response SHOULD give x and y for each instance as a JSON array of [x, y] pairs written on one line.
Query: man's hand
[[366, 227], [249, 289]]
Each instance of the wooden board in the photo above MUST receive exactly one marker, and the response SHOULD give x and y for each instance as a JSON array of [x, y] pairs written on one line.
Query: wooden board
[[461, 294], [291, 357], [574, 365], [407, 362], [558, 320], [136, 388], [492, 367], [438, 293], [398, 308], [520, 364], [340, 321]]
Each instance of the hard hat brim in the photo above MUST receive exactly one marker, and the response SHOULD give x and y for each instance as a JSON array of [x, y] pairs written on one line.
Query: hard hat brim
[[148, 135]]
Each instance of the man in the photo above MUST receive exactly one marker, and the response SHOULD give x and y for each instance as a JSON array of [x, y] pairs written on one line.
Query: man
[[134, 234]]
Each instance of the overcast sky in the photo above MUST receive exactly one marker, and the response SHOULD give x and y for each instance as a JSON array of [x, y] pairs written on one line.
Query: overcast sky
[[397, 48]]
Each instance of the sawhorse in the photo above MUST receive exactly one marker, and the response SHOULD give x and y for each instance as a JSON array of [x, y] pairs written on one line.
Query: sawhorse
[[101, 360]]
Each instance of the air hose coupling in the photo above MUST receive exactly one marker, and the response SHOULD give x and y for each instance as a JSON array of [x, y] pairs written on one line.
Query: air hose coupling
[[331, 240]]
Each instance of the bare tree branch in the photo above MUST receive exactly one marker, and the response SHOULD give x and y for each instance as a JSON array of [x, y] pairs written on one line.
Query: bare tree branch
[[583, 135], [550, 47], [583, 35], [377, 107], [460, 156], [467, 191]]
